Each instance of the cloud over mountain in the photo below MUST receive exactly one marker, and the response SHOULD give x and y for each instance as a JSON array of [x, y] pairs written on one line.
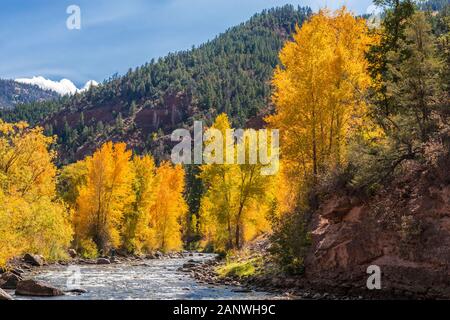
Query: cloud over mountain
[[62, 87]]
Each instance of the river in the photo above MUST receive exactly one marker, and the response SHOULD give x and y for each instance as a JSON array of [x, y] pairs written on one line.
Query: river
[[143, 280]]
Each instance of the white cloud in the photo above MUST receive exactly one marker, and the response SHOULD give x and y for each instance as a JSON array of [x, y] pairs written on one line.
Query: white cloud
[[62, 87]]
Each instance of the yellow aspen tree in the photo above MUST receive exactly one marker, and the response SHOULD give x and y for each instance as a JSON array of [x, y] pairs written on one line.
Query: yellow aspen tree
[[216, 205], [137, 234], [252, 196], [107, 192], [318, 92], [12, 243], [31, 220], [169, 208], [26, 161], [234, 206], [69, 181]]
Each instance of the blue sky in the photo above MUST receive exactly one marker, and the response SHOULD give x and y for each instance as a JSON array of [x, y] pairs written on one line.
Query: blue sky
[[117, 34]]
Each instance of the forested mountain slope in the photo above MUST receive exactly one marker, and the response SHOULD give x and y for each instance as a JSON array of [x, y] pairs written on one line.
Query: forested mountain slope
[[13, 93], [231, 74], [434, 5]]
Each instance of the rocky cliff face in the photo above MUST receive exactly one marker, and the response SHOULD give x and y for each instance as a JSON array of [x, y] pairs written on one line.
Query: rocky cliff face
[[404, 229]]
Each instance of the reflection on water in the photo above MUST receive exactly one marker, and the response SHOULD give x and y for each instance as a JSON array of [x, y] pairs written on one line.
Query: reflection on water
[[143, 280]]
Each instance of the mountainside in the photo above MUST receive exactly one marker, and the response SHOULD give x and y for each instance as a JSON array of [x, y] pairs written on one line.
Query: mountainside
[[13, 93], [434, 5], [231, 74]]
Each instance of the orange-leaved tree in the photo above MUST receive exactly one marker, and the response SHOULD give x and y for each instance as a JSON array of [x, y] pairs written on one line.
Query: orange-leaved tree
[[137, 235], [105, 196], [319, 93], [31, 220], [168, 209]]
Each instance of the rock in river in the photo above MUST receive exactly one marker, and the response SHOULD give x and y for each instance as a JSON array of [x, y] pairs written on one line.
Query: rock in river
[[37, 289], [150, 256], [9, 281], [4, 295], [77, 291], [72, 253], [17, 271], [103, 261], [189, 265], [33, 259]]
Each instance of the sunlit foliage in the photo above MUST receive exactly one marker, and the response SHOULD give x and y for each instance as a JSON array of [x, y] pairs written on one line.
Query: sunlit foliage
[[31, 220], [237, 200]]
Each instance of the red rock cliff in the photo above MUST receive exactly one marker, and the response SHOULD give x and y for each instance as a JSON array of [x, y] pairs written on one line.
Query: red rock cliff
[[404, 229]]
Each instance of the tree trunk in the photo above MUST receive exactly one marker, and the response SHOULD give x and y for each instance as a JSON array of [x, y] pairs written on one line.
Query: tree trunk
[[238, 236]]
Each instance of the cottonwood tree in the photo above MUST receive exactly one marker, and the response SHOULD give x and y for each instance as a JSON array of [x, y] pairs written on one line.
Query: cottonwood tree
[[108, 191], [237, 198], [318, 91], [169, 209], [31, 220], [319, 97], [136, 233]]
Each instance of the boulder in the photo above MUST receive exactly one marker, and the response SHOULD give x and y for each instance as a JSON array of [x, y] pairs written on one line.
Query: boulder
[[9, 281], [151, 256], [4, 296], [72, 253], [158, 255], [103, 261], [17, 271], [37, 289], [193, 261], [77, 291], [121, 253], [33, 259]]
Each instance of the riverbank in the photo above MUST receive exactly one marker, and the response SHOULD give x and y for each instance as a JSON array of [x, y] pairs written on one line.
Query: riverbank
[[254, 269], [287, 287]]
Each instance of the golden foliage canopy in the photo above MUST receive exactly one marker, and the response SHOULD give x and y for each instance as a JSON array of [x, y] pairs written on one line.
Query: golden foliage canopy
[[318, 91], [31, 220], [237, 200], [126, 202]]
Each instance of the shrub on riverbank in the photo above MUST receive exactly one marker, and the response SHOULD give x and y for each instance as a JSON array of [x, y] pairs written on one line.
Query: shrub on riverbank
[[241, 269]]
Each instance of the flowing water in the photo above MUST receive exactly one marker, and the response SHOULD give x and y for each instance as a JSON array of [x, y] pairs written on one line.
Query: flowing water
[[143, 280]]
